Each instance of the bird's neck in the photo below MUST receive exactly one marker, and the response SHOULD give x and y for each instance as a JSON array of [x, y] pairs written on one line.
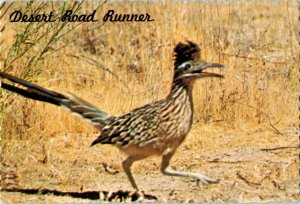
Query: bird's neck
[[180, 87], [182, 90], [181, 96]]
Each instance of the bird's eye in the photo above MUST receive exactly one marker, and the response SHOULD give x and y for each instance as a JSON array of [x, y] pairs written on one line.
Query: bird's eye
[[187, 66]]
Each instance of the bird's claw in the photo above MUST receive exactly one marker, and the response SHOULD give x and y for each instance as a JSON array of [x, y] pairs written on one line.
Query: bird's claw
[[206, 180]]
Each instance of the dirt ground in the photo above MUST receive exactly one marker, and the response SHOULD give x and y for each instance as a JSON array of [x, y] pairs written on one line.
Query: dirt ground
[[66, 169]]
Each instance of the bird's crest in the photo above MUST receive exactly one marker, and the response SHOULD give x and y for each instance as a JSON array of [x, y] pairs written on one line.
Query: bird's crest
[[185, 52]]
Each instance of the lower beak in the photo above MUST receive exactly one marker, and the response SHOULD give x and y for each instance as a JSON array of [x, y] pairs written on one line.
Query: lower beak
[[210, 74]]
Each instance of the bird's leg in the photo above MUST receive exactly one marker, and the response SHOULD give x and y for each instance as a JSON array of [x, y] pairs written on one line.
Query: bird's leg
[[127, 168], [164, 169]]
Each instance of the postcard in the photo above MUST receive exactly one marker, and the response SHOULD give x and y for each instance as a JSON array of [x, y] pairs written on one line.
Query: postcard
[[149, 101]]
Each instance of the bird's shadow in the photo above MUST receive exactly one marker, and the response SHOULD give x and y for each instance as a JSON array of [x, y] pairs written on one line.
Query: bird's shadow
[[117, 196]]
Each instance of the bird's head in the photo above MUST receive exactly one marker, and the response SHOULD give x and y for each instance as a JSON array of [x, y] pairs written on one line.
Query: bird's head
[[189, 65]]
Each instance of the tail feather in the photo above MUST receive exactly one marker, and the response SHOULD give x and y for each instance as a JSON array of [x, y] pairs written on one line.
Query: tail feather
[[73, 103], [29, 94]]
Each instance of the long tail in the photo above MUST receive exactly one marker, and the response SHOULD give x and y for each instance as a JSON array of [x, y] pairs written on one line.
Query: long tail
[[75, 104]]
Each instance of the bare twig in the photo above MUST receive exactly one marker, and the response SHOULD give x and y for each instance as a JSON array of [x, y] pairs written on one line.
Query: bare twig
[[108, 169], [290, 29], [99, 65], [244, 179], [2, 5], [251, 58], [267, 115], [267, 175], [277, 148], [5, 9]]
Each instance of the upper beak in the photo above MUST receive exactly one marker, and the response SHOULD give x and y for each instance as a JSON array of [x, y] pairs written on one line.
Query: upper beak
[[209, 74]]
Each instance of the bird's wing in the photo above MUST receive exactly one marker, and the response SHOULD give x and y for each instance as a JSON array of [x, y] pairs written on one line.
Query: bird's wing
[[138, 127]]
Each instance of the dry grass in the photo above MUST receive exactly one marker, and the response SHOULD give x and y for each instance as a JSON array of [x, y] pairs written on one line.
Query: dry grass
[[256, 41]]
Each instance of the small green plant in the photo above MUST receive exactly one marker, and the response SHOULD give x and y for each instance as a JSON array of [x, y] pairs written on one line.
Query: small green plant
[[34, 41]]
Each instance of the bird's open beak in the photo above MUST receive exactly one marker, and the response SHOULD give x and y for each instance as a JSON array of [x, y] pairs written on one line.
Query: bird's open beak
[[202, 73]]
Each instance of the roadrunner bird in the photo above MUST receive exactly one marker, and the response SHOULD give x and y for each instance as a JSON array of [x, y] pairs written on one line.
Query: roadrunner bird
[[154, 129]]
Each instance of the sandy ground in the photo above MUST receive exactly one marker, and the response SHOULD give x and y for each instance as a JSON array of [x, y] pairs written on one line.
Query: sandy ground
[[66, 169]]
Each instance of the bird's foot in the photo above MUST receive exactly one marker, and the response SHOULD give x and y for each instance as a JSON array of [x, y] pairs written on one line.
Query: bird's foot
[[137, 196], [205, 180], [140, 196]]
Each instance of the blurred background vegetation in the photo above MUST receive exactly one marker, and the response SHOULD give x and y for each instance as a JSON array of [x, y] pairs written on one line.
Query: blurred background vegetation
[[120, 66]]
